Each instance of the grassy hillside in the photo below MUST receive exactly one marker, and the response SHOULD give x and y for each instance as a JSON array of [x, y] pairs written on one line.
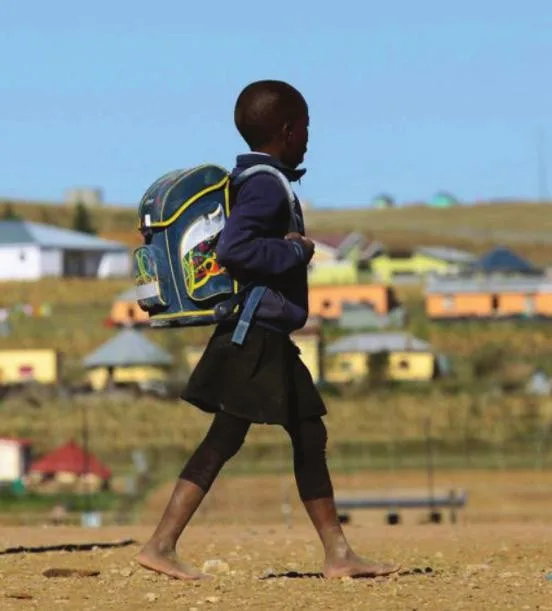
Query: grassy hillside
[[526, 226], [382, 428], [469, 414], [77, 323], [476, 425], [80, 308]]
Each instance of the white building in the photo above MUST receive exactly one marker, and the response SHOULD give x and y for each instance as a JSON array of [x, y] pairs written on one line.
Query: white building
[[14, 458], [29, 251], [88, 196]]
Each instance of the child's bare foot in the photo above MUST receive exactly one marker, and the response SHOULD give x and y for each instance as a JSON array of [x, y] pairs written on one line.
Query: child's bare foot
[[354, 566], [168, 563]]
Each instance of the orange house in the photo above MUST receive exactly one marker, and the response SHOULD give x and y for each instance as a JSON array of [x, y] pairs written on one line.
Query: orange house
[[125, 311], [324, 300], [480, 298], [327, 300]]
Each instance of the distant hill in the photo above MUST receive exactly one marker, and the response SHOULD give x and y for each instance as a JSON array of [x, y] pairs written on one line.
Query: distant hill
[[524, 225]]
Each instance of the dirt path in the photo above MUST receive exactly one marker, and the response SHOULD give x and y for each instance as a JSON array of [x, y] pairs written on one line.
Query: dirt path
[[496, 557], [473, 567]]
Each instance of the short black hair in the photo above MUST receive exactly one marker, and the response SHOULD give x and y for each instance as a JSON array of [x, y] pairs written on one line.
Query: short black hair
[[262, 109]]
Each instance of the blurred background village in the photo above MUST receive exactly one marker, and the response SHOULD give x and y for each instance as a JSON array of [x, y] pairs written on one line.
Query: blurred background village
[[426, 319]]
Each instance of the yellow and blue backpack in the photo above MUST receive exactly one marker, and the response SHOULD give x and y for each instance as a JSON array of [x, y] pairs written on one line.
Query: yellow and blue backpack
[[179, 281]]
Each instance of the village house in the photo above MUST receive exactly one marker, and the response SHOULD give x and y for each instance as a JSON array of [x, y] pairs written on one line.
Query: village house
[[334, 272], [488, 298], [353, 248], [394, 266], [409, 358], [68, 466], [28, 365], [15, 458], [30, 251], [127, 359], [125, 311], [330, 263], [338, 245], [361, 316], [502, 261], [326, 301], [442, 199]]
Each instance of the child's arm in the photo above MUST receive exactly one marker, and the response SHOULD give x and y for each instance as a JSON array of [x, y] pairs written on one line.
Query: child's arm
[[242, 247]]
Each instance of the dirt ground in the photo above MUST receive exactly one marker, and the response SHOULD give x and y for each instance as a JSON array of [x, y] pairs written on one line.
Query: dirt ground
[[497, 556]]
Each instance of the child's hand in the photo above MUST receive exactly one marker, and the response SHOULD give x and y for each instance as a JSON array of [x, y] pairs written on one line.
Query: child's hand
[[306, 243]]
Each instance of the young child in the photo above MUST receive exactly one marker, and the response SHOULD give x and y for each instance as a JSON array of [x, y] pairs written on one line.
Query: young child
[[264, 380]]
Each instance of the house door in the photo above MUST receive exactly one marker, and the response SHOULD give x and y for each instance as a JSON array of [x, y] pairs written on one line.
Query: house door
[[529, 305], [73, 264]]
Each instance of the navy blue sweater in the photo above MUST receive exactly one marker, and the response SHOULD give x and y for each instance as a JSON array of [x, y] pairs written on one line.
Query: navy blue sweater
[[253, 249]]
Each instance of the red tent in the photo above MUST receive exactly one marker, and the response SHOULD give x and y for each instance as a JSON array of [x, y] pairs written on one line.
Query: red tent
[[70, 458]]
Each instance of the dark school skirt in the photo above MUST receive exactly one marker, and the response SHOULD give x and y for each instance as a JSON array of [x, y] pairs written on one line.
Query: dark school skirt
[[263, 381]]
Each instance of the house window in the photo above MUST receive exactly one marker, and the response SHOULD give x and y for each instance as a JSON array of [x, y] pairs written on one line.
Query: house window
[[26, 371], [326, 304], [529, 304], [448, 302], [22, 256], [404, 364], [345, 366]]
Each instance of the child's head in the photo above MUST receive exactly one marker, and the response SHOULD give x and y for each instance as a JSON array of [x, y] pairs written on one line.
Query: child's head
[[273, 117]]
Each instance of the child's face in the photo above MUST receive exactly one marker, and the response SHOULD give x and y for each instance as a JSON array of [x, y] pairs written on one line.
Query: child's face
[[297, 141]]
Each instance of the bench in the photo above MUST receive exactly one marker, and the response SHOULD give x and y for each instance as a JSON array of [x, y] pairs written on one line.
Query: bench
[[408, 499]]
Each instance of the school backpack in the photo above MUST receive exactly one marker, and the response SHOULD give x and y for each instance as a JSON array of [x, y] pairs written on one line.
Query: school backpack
[[178, 279]]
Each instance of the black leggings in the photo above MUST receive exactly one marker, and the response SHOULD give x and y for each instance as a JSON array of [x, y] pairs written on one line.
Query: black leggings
[[226, 436]]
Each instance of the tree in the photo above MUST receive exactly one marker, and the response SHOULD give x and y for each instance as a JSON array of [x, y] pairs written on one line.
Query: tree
[[82, 220], [9, 214]]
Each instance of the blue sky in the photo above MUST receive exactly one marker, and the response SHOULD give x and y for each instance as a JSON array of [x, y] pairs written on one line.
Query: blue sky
[[405, 97]]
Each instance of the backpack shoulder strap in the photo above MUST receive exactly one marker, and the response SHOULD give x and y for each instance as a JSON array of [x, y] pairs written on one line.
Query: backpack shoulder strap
[[257, 292], [268, 169]]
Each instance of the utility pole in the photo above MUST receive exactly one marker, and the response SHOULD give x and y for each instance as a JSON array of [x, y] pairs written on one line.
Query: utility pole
[[86, 450]]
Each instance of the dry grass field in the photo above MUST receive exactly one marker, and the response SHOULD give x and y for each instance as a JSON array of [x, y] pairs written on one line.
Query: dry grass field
[[376, 430]]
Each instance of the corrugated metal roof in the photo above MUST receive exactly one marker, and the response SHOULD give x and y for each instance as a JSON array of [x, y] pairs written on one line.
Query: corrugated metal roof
[[504, 260], [15, 232], [379, 342], [126, 349], [50, 236], [482, 284], [451, 255], [70, 458]]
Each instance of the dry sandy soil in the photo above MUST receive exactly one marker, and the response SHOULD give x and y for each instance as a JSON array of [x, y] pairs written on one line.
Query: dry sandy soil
[[496, 557]]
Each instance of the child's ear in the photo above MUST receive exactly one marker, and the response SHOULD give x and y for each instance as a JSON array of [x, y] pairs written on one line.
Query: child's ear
[[288, 132]]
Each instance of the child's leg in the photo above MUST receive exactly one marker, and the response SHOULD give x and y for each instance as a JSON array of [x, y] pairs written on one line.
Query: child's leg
[[222, 441], [315, 489]]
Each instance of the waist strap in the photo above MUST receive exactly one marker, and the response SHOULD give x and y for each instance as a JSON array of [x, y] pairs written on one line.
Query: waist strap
[[246, 316]]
